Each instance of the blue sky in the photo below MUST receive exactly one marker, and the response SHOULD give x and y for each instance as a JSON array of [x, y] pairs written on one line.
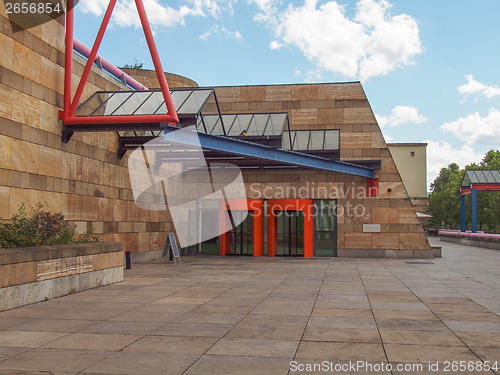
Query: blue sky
[[430, 69]]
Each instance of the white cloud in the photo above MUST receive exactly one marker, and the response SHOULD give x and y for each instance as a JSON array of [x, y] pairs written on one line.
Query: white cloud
[[275, 45], [268, 11], [125, 12], [440, 155], [96, 7], [475, 128], [205, 35], [221, 31], [401, 114], [373, 43], [474, 87]]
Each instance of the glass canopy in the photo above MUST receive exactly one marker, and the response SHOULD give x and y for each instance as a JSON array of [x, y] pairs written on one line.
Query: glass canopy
[[481, 177], [242, 124], [133, 103], [312, 140], [248, 126]]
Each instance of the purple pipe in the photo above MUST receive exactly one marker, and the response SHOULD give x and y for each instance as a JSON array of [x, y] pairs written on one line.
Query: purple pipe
[[83, 50]]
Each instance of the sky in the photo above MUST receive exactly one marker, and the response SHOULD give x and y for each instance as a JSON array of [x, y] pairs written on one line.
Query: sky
[[430, 69]]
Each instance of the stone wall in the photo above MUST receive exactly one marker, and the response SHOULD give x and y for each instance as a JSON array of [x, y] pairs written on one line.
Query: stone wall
[[29, 275], [83, 178]]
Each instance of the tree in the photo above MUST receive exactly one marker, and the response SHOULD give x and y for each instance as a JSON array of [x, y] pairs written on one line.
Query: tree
[[491, 208], [444, 200], [135, 65]]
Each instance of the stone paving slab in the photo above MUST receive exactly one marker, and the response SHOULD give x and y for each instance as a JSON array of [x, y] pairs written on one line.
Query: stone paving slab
[[213, 315]]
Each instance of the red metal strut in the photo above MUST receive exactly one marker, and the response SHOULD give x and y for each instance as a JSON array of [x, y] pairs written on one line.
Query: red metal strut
[[70, 106]]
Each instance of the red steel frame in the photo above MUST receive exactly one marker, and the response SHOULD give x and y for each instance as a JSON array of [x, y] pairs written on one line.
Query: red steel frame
[[305, 205], [479, 187], [372, 189], [70, 106], [257, 207]]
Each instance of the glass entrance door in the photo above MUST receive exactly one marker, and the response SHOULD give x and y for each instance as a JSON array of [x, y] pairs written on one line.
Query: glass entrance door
[[290, 233], [242, 235], [325, 228]]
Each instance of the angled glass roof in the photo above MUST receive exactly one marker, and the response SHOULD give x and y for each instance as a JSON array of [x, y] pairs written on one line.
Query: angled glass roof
[[133, 103], [312, 140], [243, 124], [481, 177]]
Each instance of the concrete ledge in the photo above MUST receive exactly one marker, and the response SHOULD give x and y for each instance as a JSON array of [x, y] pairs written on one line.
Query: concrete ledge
[[480, 242], [33, 254], [385, 253], [25, 294], [29, 275]]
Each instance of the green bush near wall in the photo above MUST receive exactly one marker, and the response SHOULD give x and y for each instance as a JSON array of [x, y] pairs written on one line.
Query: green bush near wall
[[40, 228]]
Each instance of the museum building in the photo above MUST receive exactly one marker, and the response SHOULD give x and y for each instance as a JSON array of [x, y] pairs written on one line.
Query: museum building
[[318, 175]]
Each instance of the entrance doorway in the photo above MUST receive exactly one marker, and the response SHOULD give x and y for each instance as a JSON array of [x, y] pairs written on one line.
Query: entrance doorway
[[290, 227], [242, 237], [325, 228], [289, 233], [248, 237]]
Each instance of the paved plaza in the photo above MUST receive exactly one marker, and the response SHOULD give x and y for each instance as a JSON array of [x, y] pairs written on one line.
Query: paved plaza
[[213, 315]]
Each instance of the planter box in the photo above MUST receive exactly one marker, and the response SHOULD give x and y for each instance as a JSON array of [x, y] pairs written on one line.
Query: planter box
[[33, 274]]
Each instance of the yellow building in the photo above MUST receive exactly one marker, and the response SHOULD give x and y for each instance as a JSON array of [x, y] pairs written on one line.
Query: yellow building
[[411, 161]]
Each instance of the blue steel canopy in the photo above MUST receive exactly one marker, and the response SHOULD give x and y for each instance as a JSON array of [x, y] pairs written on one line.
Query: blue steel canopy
[[270, 157]]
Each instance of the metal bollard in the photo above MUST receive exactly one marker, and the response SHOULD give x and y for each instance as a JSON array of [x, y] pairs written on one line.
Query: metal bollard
[[128, 260]]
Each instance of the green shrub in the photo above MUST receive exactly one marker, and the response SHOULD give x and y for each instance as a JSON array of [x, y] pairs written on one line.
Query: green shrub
[[40, 228], [88, 236]]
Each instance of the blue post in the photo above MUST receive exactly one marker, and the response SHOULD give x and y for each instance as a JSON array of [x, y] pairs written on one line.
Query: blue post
[[474, 210], [463, 226]]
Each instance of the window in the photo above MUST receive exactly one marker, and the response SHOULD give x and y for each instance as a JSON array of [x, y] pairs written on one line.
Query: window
[[412, 153]]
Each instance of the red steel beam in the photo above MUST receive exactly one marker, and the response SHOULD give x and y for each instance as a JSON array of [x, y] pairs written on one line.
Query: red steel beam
[[68, 59], [67, 115], [486, 187], [91, 58], [479, 187], [156, 61], [120, 119]]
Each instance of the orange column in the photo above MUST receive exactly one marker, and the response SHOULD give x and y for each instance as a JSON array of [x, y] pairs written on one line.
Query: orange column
[[257, 206], [271, 233], [308, 230]]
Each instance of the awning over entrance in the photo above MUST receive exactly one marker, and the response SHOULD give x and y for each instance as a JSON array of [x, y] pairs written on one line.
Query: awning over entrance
[[140, 116], [248, 140], [253, 155]]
